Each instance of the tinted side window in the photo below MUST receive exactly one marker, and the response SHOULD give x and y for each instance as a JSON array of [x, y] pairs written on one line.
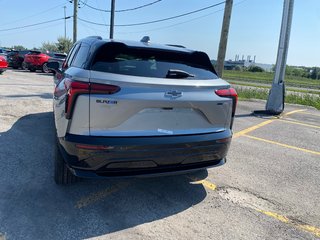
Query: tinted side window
[[71, 55], [81, 56]]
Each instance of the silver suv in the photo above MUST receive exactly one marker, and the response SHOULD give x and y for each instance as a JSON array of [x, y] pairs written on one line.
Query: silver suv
[[125, 108]]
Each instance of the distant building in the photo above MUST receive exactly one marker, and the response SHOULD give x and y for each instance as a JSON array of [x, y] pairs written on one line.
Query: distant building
[[233, 64]]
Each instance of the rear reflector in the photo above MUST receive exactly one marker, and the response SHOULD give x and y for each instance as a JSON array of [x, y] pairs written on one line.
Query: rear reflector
[[93, 147], [223, 140]]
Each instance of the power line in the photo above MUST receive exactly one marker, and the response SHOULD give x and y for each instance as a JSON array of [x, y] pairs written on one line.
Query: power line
[[29, 30], [173, 25], [36, 14], [123, 10], [180, 23], [35, 24], [155, 21]]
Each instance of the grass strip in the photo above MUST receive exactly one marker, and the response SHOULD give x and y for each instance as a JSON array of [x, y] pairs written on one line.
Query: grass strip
[[295, 98], [267, 77], [268, 87]]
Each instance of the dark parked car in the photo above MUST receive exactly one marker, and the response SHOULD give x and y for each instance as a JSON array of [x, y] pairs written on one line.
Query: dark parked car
[[16, 58], [4, 51], [125, 108], [58, 57]]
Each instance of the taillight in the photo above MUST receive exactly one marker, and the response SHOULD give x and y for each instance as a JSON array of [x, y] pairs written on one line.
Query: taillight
[[103, 88], [75, 88], [229, 93]]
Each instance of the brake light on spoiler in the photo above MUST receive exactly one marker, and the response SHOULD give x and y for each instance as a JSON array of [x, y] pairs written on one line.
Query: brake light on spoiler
[[75, 88]]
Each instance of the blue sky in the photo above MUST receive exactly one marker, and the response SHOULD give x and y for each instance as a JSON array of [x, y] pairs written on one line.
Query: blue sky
[[254, 29]]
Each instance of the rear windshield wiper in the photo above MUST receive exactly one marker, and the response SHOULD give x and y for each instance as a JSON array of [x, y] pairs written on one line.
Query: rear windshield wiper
[[176, 73]]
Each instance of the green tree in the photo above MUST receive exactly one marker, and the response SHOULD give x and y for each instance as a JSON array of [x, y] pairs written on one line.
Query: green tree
[[18, 47], [314, 74], [253, 68], [64, 44], [47, 46]]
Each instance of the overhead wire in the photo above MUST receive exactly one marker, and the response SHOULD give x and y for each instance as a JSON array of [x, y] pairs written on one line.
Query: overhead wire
[[35, 24], [36, 14], [155, 21], [180, 23], [101, 14], [122, 10], [29, 30]]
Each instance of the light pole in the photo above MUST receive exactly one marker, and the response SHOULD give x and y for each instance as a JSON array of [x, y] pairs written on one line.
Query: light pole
[[224, 37], [275, 102], [65, 22], [75, 18], [112, 18]]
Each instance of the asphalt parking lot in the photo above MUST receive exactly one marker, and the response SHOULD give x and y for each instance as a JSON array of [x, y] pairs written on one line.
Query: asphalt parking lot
[[269, 188]]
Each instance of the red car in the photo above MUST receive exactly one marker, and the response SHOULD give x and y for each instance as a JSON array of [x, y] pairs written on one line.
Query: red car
[[36, 60], [3, 64]]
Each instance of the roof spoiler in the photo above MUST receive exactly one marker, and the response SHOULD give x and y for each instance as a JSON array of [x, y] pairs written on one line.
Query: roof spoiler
[[96, 37]]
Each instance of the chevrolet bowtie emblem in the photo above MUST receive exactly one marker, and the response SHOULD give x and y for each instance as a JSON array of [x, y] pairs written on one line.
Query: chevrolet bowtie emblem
[[173, 94]]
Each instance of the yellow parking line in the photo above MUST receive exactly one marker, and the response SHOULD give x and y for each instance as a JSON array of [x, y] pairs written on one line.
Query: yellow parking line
[[300, 123], [205, 183], [250, 129], [307, 228], [314, 230], [294, 111], [317, 115], [97, 196], [274, 215], [255, 127], [283, 145]]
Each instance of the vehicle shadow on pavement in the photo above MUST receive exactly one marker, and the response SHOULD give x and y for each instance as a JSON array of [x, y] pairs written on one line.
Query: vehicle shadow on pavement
[[32, 206]]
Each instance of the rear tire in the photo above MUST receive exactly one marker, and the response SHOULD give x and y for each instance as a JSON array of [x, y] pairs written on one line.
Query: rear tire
[[45, 68], [62, 174], [24, 66]]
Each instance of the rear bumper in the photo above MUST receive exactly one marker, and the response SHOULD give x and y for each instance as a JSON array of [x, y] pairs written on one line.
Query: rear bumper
[[12, 63], [96, 157]]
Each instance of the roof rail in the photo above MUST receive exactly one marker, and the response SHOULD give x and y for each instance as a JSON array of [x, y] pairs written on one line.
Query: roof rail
[[97, 37], [175, 45]]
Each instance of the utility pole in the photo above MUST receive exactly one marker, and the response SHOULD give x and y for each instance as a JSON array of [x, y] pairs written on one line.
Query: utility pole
[[112, 18], [65, 22], [75, 18], [224, 37], [275, 102]]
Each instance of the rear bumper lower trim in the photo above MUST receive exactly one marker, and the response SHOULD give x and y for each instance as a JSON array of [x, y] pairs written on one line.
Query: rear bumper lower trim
[[135, 156]]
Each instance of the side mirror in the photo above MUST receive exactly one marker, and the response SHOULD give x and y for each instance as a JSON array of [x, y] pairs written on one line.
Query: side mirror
[[54, 66]]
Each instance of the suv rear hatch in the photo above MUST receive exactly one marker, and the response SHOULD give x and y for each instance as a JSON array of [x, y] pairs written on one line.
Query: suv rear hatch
[[155, 92]]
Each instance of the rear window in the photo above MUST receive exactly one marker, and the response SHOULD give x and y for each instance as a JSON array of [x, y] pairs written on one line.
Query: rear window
[[121, 59], [58, 55], [12, 53]]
